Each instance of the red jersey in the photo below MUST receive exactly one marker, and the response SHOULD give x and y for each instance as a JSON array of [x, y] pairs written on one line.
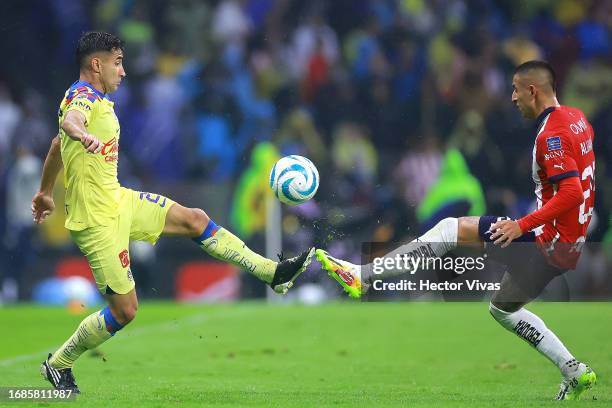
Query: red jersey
[[564, 148]]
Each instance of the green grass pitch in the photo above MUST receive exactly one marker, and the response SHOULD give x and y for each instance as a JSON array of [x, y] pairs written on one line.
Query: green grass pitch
[[338, 354]]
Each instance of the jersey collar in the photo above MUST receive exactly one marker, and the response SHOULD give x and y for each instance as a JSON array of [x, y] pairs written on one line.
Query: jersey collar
[[79, 83], [540, 119]]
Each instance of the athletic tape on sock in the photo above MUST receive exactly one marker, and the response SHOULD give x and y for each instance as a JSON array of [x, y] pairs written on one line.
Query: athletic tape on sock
[[112, 325], [210, 230]]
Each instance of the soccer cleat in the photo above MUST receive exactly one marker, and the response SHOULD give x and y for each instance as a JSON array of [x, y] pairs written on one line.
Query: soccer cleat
[[345, 273], [59, 379], [572, 388], [288, 270]]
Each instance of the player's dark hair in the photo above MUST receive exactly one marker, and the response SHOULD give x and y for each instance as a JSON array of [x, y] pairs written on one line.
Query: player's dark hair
[[95, 41], [539, 65]]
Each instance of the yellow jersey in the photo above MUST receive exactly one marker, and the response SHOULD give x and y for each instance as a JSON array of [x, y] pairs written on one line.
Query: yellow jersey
[[92, 187]]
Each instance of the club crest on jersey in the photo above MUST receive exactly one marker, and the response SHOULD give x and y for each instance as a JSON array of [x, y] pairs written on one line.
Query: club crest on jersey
[[553, 143], [124, 257]]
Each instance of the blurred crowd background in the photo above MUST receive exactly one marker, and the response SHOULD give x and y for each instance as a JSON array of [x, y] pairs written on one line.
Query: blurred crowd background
[[403, 105]]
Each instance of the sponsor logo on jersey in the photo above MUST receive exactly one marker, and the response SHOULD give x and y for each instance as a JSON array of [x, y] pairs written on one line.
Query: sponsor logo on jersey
[[553, 155], [81, 104], [578, 127], [110, 150], [553, 143], [124, 257]]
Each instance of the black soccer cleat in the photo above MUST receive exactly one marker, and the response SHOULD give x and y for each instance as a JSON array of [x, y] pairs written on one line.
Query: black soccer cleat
[[59, 379], [288, 270]]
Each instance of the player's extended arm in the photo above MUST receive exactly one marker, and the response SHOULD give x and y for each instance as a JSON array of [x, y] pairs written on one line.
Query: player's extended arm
[[569, 195], [42, 203], [74, 126]]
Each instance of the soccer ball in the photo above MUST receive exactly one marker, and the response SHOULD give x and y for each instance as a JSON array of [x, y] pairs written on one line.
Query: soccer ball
[[294, 180]]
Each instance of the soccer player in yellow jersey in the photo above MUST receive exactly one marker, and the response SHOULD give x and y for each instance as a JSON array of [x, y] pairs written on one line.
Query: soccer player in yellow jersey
[[103, 217]]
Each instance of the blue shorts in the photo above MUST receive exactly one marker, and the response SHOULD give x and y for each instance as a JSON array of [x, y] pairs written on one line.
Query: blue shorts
[[484, 229]]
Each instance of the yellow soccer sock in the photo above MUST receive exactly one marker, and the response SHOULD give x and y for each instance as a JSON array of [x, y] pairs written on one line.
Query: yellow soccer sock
[[223, 245], [94, 330]]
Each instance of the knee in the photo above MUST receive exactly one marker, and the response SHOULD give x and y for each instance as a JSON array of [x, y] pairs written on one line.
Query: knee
[[467, 229], [444, 231], [129, 313], [196, 221], [125, 314], [449, 224]]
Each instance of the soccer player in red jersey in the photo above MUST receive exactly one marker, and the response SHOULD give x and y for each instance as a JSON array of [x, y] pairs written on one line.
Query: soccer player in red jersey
[[563, 170]]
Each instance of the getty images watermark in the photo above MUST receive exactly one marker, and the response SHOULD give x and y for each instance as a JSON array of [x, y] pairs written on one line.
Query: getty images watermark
[[399, 264], [413, 269], [550, 271]]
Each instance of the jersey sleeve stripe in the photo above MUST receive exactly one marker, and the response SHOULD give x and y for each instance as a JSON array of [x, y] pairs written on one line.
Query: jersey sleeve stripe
[[558, 177]]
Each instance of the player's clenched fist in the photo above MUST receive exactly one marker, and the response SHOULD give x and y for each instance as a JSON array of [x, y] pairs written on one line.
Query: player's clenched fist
[[91, 143]]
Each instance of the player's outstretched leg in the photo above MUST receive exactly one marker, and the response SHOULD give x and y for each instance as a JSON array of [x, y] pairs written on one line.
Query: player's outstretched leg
[[223, 245], [356, 279]]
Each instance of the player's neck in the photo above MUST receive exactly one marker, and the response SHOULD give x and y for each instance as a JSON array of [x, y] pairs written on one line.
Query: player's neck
[[549, 102], [93, 81]]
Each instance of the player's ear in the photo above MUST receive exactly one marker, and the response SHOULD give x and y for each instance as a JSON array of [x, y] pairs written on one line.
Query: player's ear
[[95, 64], [532, 90]]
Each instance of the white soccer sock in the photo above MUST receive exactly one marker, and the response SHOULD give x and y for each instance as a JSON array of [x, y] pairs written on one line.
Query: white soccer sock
[[436, 242], [532, 329], [442, 237]]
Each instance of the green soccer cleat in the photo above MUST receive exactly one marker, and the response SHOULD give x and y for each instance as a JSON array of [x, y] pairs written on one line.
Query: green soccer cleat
[[345, 273], [572, 388]]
